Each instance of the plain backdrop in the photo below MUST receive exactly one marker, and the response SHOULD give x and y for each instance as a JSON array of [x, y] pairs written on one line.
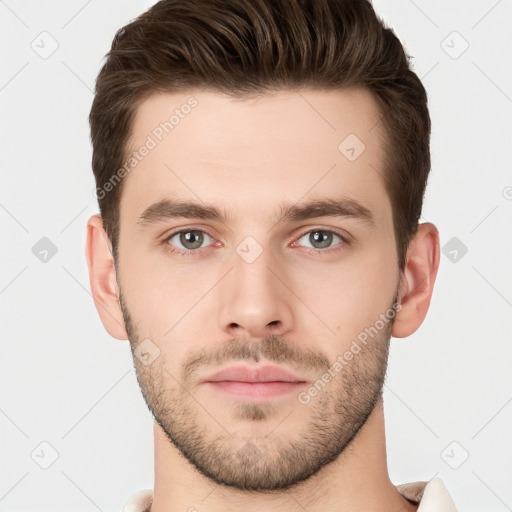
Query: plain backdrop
[[75, 433]]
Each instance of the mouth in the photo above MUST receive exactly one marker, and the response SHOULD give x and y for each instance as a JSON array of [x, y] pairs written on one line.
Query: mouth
[[254, 384]]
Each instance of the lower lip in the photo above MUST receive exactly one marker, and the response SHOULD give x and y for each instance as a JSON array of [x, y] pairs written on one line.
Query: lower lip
[[256, 391]]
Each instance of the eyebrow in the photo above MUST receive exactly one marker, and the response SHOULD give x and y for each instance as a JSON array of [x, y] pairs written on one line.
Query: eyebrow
[[174, 209]]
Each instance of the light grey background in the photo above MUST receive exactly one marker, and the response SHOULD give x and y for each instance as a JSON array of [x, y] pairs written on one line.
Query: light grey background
[[66, 383]]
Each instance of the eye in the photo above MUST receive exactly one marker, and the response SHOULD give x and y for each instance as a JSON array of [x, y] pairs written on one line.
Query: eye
[[189, 239], [319, 239]]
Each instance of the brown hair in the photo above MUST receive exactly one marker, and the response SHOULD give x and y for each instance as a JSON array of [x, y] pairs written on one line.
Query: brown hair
[[247, 47]]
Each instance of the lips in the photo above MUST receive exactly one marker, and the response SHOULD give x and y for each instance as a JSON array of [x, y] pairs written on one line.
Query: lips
[[254, 375], [254, 384]]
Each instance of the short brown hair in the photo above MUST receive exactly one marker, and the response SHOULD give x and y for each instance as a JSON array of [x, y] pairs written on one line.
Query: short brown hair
[[247, 47]]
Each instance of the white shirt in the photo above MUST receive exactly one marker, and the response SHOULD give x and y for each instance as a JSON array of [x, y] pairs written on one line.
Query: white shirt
[[432, 497]]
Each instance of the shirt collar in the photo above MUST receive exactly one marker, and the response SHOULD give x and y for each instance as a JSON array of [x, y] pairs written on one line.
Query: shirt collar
[[432, 496]]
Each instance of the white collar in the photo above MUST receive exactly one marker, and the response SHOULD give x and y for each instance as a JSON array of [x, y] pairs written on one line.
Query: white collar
[[432, 496]]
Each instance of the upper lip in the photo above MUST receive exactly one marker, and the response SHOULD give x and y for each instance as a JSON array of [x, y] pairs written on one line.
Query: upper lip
[[259, 374]]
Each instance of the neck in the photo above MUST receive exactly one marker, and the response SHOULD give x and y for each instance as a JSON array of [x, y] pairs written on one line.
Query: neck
[[357, 481]]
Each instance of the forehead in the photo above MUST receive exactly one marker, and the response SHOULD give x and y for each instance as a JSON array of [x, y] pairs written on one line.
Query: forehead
[[253, 152]]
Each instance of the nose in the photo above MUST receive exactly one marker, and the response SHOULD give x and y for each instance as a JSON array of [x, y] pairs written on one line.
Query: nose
[[255, 301]]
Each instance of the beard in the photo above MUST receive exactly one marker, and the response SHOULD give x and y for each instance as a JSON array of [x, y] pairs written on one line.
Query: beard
[[263, 460]]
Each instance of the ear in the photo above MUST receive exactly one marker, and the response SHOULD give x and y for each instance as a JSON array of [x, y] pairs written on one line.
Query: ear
[[418, 279], [102, 278]]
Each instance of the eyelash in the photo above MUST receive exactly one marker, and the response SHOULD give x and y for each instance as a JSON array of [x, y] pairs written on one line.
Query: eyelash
[[195, 252]]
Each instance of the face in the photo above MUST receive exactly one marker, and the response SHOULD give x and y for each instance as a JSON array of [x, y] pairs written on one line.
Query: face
[[258, 274]]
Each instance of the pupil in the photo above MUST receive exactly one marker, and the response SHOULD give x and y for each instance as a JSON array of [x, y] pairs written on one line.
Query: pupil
[[194, 238], [321, 237]]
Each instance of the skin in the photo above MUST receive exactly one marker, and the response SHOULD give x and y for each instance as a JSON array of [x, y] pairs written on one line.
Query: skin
[[289, 307]]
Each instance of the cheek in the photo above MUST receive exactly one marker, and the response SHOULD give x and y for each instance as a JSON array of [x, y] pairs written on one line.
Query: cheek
[[166, 299], [348, 295], [151, 293]]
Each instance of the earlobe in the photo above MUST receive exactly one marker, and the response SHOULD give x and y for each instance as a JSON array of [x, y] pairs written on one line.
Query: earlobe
[[418, 280], [102, 278]]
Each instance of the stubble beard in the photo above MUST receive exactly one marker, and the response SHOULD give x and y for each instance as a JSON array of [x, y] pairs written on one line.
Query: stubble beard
[[268, 458]]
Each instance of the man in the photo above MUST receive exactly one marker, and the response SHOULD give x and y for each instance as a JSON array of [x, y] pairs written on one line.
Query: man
[[260, 171]]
